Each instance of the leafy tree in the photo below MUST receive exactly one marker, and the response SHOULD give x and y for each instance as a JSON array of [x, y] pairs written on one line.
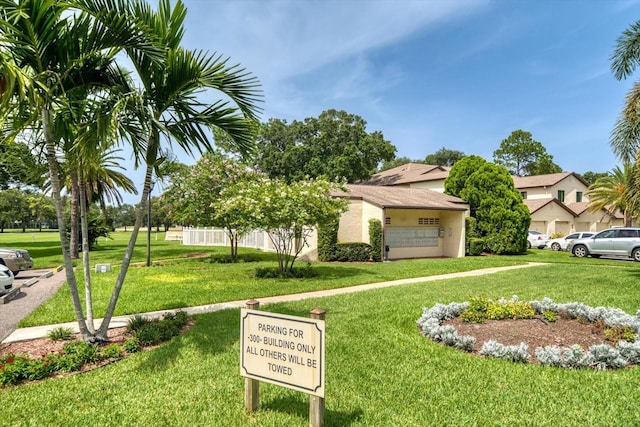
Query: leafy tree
[[41, 209], [616, 192], [444, 157], [19, 167], [502, 219], [122, 216], [335, 145], [290, 212], [14, 208], [591, 177], [398, 161], [210, 194], [522, 155], [460, 172]]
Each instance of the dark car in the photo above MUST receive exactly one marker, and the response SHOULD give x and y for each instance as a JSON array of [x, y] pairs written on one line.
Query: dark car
[[16, 260]]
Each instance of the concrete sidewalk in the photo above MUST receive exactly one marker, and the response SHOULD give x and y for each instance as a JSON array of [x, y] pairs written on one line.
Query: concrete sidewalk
[[23, 334]]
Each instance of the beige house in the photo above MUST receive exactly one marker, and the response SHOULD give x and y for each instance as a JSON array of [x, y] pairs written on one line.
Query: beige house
[[558, 202], [416, 222]]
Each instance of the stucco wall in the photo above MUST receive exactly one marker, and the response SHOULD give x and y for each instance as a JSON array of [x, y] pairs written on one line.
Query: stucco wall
[[570, 185]]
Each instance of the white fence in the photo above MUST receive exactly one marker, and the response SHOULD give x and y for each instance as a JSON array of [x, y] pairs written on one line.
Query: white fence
[[256, 239]]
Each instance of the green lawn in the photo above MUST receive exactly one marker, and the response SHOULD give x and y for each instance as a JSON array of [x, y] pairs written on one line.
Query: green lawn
[[380, 371]]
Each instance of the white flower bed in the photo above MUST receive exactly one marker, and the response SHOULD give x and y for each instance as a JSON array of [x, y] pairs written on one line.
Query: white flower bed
[[600, 357]]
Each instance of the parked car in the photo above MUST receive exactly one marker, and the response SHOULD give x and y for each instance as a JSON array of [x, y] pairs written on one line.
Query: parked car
[[16, 259], [6, 280], [561, 243], [623, 241], [537, 240]]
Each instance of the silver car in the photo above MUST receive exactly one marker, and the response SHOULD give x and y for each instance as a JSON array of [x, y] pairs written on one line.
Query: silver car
[[623, 241], [16, 260]]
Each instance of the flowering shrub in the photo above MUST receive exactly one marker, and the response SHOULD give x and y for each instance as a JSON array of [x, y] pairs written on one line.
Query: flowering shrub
[[600, 357]]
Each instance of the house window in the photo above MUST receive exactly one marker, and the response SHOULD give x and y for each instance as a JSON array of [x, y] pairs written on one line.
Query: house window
[[387, 220], [524, 195], [578, 196], [428, 221], [561, 195]]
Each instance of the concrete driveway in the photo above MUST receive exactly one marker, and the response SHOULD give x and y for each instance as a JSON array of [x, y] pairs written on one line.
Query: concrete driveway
[[35, 287]]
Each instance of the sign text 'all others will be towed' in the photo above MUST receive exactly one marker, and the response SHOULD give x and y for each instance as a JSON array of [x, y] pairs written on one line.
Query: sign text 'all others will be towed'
[[283, 350]]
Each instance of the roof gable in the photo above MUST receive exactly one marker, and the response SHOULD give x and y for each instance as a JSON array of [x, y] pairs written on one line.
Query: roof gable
[[403, 198], [408, 173], [535, 205], [548, 180]]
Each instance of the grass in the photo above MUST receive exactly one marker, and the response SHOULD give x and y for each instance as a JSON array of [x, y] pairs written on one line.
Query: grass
[[380, 371]]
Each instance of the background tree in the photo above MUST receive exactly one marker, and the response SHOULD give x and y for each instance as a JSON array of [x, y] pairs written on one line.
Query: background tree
[[444, 157], [591, 177], [616, 192], [398, 161], [502, 220], [19, 167], [460, 172], [523, 156], [14, 209], [335, 145]]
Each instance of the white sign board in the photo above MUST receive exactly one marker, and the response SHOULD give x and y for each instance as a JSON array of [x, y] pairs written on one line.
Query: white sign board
[[283, 350]]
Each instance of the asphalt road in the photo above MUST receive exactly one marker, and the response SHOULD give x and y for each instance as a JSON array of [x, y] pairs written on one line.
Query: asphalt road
[[29, 298]]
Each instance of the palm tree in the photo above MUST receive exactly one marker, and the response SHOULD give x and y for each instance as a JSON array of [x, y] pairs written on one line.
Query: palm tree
[[615, 192], [49, 50], [169, 90], [625, 137]]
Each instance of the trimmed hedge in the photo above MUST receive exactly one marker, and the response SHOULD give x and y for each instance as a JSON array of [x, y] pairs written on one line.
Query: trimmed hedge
[[351, 252]]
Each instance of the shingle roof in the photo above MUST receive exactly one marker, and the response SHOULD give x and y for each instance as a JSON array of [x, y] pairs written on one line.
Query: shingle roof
[[403, 198], [548, 180], [537, 204], [408, 173], [581, 207]]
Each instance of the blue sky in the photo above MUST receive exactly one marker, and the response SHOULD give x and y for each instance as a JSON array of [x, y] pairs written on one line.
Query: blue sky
[[435, 73]]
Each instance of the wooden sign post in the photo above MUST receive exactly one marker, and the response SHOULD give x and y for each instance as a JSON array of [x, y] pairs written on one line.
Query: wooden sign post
[[283, 350]]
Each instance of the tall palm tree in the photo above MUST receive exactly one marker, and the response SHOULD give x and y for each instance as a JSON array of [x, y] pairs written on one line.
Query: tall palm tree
[[625, 137], [49, 49], [615, 192], [170, 90]]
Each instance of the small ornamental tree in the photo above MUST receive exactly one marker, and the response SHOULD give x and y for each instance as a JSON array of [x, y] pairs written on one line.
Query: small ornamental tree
[[210, 194], [502, 218], [290, 212], [375, 238]]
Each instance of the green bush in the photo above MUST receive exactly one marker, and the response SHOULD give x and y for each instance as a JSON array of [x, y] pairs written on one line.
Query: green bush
[[328, 240], [60, 334], [132, 345], [111, 351], [354, 252], [375, 239], [476, 246], [136, 322], [275, 273], [550, 316], [477, 310]]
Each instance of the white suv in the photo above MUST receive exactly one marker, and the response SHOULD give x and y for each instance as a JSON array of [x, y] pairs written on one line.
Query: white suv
[[623, 241]]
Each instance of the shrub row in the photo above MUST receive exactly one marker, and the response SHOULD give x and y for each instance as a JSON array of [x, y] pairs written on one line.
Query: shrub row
[[600, 357], [15, 369]]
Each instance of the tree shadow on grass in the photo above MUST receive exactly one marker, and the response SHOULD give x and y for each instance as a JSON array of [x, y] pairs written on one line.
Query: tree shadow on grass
[[299, 406]]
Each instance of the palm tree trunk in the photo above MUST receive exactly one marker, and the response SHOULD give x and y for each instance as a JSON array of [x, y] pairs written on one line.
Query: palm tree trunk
[[62, 229], [88, 300], [75, 234], [104, 326]]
